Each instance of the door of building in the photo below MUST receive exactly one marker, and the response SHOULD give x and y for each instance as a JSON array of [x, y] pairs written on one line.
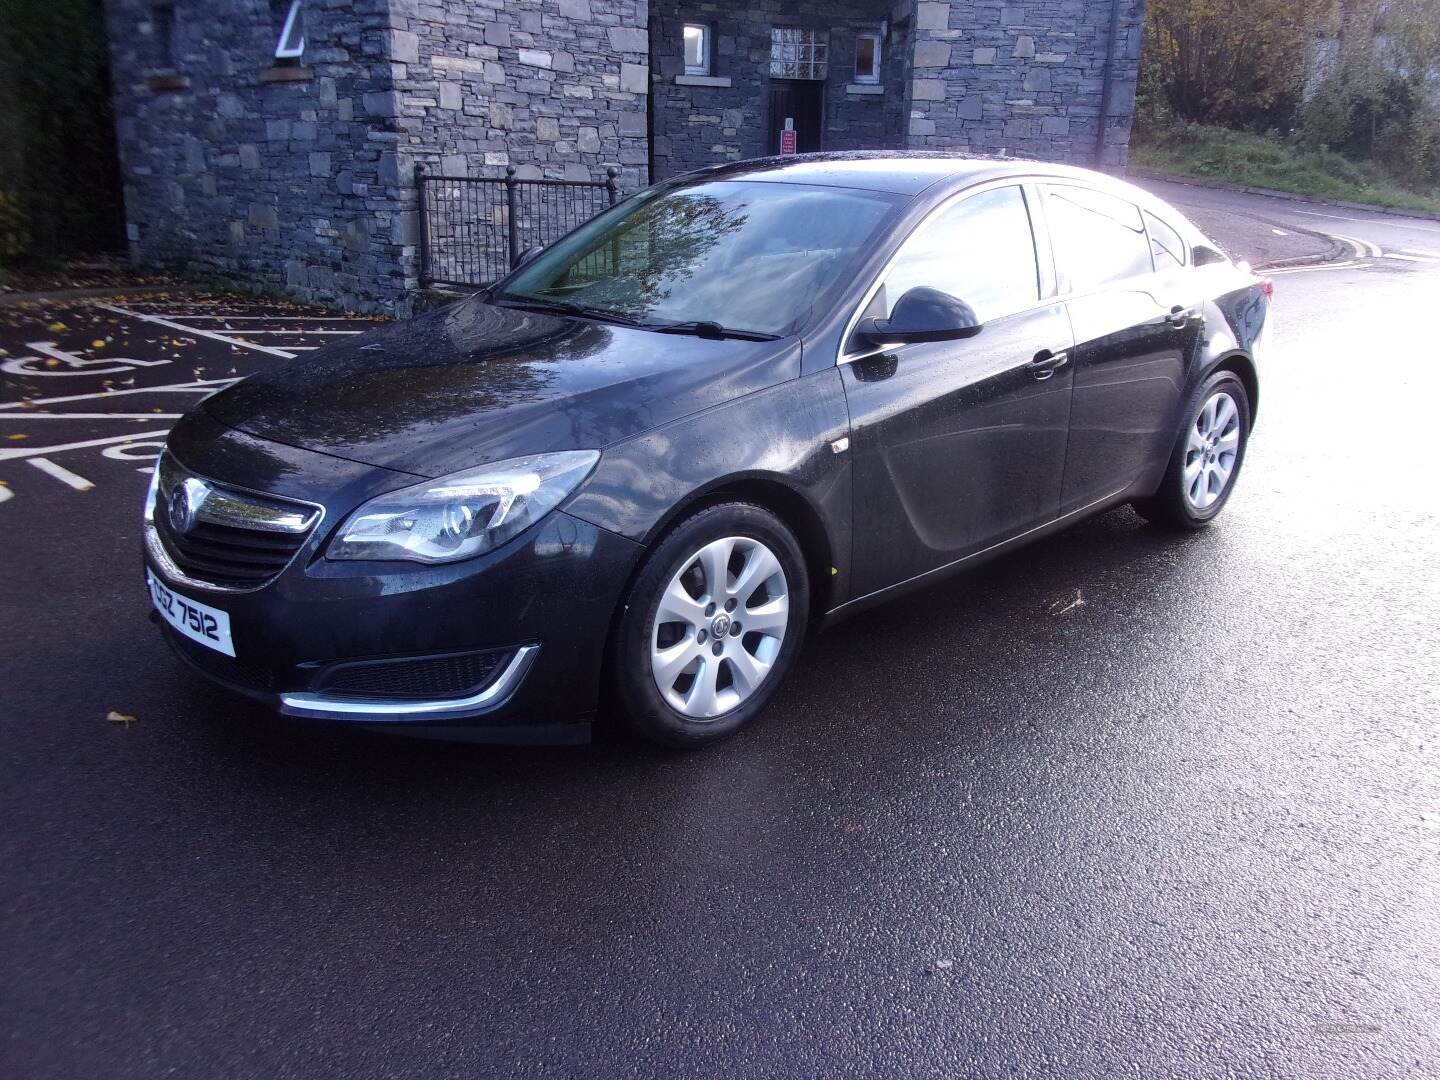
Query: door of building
[[800, 100]]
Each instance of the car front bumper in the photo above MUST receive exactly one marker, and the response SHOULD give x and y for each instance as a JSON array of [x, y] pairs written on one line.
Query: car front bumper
[[391, 645]]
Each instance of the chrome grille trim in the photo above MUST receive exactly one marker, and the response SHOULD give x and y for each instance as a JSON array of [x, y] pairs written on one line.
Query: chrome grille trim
[[247, 525]]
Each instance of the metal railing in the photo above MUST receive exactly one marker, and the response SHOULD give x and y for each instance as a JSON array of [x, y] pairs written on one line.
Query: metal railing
[[473, 228]]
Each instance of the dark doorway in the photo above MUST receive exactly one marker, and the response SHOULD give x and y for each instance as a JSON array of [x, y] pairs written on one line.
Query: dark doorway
[[802, 101]]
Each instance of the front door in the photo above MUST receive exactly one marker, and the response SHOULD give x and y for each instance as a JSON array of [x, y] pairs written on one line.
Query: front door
[[803, 102], [961, 444]]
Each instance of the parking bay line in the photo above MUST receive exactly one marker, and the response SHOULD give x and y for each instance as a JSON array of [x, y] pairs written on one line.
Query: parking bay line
[[8, 454], [207, 386], [59, 472], [182, 328], [30, 414]]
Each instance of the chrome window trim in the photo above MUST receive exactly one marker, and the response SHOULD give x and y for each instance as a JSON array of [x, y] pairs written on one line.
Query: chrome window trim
[[1022, 182], [1032, 183], [492, 696]]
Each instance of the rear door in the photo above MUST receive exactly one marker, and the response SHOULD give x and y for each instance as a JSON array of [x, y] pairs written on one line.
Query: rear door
[[960, 444], [1135, 331]]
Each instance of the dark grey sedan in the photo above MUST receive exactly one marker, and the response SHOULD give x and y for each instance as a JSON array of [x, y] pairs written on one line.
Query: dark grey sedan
[[735, 406]]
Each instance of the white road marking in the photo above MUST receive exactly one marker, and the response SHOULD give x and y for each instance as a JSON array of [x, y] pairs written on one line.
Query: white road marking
[[276, 318], [149, 451], [1411, 258], [207, 386], [302, 333], [1279, 232], [182, 328], [31, 415], [6, 454], [1321, 269], [59, 472], [1406, 223], [6, 494]]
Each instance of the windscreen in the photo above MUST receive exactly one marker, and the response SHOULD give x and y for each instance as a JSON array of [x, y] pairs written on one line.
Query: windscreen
[[752, 256]]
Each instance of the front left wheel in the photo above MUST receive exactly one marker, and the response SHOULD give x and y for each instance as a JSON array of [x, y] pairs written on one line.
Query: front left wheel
[[711, 625]]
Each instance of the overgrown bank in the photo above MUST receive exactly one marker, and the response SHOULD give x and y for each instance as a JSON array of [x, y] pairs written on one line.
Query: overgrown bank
[[1210, 152]]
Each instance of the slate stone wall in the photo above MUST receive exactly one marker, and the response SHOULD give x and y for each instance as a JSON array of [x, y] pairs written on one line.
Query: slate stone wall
[[1021, 77], [301, 178], [277, 177], [1024, 77], [702, 125]]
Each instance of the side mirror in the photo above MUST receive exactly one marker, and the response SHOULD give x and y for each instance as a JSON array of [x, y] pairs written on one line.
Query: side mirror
[[527, 255], [922, 314]]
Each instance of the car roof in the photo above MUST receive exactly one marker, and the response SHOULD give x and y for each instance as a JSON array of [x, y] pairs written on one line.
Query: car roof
[[912, 172]]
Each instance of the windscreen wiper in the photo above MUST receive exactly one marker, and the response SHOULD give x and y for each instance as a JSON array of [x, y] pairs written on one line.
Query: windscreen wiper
[[566, 307], [708, 328]]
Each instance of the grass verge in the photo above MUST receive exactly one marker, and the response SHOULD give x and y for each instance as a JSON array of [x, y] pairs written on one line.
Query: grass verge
[[1237, 157]]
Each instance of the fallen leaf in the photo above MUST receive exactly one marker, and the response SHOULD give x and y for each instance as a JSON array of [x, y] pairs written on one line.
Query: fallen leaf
[[119, 718], [56, 327], [17, 437], [97, 344], [50, 361]]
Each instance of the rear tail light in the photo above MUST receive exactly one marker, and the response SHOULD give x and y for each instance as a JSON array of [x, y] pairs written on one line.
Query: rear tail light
[[1267, 286]]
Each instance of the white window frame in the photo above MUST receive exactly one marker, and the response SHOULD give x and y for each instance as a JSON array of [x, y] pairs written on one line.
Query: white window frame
[[874, 77], [291, 43], [706, 52]]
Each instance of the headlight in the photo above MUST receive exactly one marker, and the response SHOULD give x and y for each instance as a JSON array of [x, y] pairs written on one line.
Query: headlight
[[463, 514]]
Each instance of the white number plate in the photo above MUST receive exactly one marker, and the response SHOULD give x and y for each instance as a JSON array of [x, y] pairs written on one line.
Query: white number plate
[[199, 622]]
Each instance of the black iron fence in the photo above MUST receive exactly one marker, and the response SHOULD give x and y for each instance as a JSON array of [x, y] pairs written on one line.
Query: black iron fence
[[473, 228]]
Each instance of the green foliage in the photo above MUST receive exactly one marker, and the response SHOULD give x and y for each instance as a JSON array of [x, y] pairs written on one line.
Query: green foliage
[[1379, 99], [59, 183], [1270, 161], [1241, 63]]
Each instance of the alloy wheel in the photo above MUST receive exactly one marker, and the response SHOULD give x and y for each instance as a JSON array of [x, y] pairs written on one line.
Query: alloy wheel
[[1211, 450], [719, 626]]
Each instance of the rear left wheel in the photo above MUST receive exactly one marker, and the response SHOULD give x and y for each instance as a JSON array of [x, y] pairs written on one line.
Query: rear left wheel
[[1206, 460], [711, 625]]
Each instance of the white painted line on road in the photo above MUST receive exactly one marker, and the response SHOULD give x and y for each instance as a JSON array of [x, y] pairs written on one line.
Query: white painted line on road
[[1411, 258], [1320, 269], [59, 472], [40, 451], [206, 386], [6, 494], [31, 415], [1379, 219], [274, 318], [302, 333], [182, 328]]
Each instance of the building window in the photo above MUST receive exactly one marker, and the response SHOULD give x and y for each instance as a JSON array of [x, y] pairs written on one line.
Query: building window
[[697, 49], [164, 20], [867, 58], [797, 52], [291, 45]]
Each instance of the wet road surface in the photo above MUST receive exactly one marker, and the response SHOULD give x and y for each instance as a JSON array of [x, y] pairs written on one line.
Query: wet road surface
[[1120, 804]]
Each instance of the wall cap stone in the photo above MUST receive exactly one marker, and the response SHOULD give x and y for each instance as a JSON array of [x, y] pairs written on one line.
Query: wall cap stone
[[702, 80]]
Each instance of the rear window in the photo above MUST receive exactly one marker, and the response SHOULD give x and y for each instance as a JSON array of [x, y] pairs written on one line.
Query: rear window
[[1165, 243], [1098, 238]]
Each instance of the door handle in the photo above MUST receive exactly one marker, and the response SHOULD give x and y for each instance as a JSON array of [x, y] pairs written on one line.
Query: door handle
[[1046, 363], [1178, 317]]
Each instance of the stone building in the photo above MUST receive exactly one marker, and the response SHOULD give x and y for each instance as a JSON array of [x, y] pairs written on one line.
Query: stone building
[[274, 142]]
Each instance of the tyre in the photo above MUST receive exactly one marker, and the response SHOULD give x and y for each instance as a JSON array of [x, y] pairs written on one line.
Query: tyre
[[1205, 463], [710, 626]]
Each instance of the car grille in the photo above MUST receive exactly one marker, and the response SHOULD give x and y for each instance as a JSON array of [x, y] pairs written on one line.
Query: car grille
[[229, 538], [430, 677]]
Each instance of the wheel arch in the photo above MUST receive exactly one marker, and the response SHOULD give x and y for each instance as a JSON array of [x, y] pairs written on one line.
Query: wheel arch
[[1243, 368], [770, 493]]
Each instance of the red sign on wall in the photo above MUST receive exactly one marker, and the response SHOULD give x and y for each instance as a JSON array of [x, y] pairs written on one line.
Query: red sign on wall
[[787, 141]]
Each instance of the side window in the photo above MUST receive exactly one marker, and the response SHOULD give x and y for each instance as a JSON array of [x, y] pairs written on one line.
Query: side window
[[1165, 243], [979, 250], [1098, 238]]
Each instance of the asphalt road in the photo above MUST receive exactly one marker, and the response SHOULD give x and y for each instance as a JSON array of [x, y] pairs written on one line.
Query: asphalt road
[[1121, 804]]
